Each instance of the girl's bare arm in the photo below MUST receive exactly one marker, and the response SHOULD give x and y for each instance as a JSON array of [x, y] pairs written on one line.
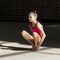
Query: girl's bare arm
[[40, 27]]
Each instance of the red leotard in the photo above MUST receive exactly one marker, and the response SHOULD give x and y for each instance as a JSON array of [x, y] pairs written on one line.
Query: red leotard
[[35, 29]]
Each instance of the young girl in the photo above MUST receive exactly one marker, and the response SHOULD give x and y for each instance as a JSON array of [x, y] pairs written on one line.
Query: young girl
[[38, 34]]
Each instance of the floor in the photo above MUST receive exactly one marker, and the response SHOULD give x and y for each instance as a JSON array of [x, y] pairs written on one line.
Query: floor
[[17, 51]]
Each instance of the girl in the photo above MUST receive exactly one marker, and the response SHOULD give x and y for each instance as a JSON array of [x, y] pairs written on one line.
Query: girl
[[38, 34]]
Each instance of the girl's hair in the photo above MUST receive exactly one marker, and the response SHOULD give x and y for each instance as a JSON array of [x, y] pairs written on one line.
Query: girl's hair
[[34, 11]]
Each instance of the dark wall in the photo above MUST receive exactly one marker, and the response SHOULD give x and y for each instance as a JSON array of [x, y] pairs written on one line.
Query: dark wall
[[17, 10], [7, 10], [48, 9]]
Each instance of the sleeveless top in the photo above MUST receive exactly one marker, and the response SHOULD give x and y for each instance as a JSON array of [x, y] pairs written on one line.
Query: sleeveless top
[[35, 29]]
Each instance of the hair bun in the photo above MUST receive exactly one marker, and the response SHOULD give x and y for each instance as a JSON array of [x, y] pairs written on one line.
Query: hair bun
[[35, 11]]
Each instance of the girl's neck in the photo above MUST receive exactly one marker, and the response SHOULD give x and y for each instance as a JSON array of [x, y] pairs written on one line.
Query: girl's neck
[[33, 23]]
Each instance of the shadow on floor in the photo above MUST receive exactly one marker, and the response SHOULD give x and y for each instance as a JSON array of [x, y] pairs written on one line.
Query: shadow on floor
[[50, 53], [23, 51], [14, 48], [20, 49]]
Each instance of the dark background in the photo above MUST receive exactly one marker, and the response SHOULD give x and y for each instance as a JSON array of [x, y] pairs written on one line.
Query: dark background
[[17, 10], [13, 17]]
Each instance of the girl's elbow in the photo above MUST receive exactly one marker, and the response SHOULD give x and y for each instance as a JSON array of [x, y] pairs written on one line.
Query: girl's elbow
[[44, 35]]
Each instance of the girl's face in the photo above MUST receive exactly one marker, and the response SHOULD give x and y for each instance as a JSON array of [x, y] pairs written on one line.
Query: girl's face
[[32, 17]]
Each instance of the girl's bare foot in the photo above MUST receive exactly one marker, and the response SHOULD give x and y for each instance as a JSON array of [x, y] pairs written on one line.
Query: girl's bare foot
[[35, 48]]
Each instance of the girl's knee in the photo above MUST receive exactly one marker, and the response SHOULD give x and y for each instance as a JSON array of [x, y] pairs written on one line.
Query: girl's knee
[[35, 35], [23, 32]]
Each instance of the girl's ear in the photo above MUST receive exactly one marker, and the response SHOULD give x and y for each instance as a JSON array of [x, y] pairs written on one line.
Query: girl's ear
[[36, 15]]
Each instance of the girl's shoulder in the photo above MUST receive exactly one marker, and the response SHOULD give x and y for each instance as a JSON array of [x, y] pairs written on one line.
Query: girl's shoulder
[[39, 24]]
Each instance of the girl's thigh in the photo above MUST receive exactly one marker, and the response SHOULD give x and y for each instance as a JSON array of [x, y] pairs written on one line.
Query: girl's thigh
[[27, 35]]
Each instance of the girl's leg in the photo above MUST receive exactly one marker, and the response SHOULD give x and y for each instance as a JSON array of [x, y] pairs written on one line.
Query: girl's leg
[[41, 41], [37, 40], [27, 36]]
